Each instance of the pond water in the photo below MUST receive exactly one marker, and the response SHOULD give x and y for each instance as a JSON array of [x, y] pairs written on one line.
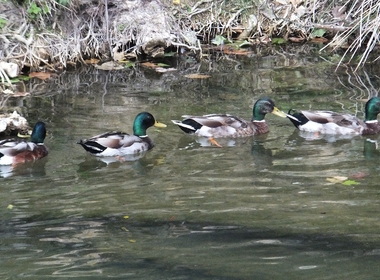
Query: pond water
[[263, 207]]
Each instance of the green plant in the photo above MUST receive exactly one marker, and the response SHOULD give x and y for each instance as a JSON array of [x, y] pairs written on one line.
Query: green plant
[[63, 2], [34, 10], [3, 22]]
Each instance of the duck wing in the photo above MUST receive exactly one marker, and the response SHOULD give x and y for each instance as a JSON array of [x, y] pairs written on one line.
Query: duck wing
[[324, 117], [11, 148], [218, 120]]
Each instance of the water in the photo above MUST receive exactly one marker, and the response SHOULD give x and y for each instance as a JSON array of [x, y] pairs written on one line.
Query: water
[[264, 207]]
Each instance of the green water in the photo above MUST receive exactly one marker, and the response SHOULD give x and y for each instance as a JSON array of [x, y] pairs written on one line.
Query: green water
[[258, 208]]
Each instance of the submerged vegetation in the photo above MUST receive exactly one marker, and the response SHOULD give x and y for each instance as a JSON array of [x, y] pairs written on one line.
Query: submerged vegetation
[[54, 34]]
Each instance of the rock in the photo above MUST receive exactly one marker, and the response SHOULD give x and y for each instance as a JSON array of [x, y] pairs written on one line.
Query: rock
[[10, 68], [12, 124]]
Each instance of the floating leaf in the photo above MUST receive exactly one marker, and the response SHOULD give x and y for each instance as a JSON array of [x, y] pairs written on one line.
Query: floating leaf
[[10, 207], [162, 65], [40, 75], [126, 217], [337, 179], [197, 76], [132, 240], [350, 182]]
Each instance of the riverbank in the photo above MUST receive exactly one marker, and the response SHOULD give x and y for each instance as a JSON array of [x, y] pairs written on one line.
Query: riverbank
[[45, 35]]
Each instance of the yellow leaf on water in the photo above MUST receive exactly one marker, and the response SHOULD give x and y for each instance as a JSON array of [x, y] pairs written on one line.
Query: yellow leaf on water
[[132, 240], [197, 76], [126, 217], [10, 207], [337, 179]]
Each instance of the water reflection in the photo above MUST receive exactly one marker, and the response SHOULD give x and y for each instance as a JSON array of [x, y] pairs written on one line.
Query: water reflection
[[301, 136], [29, 169], [371, 149], [139, 163], [134, 249], [194, 142], [260, 207], [262, 157]]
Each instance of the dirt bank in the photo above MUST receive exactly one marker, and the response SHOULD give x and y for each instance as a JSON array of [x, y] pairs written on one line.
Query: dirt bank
[[45, 34]]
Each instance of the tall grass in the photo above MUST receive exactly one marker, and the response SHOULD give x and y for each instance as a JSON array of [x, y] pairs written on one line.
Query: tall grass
[[363, 32]]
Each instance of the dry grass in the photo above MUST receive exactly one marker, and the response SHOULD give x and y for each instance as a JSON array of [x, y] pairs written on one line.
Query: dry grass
[[61, 35], [363, 31]]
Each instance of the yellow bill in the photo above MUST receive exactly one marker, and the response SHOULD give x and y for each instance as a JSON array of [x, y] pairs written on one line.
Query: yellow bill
[[158, 124], [279, 113]]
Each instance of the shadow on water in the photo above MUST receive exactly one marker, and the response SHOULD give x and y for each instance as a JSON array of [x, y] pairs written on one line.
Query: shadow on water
[[147, 249]]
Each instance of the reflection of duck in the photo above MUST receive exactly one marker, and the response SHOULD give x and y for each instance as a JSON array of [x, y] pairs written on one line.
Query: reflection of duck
[[224, 125], [186, 142], [330, 138], [262, 156], [129, 158], [13, 152], [139, 163], [327, 122], [370, 150], [29, 169], [111, 144]]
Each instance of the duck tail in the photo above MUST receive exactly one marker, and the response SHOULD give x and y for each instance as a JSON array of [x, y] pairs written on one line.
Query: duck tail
[[91, 146], [186, 127], [295, 117]]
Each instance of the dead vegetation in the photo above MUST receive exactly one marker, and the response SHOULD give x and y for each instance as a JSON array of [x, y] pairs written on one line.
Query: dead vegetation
[[49, 34]]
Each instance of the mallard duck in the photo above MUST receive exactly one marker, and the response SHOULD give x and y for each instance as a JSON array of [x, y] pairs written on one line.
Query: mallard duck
[[327, 122], [15, 151], [116, 143], [224, 125]]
